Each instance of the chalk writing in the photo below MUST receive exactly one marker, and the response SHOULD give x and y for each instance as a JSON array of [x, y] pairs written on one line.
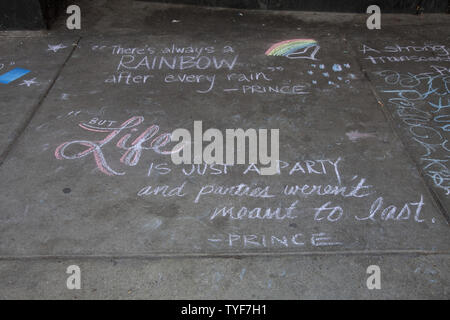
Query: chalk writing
[[130, 62], [438, 53], [133, 150], [200, 67], [266, 241], [240, 190], [255, 213], [358, 191], [421, 102], [391, 212]]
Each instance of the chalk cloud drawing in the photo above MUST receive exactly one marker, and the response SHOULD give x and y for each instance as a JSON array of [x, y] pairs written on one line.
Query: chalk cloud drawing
[[295, 49], [421, 102]]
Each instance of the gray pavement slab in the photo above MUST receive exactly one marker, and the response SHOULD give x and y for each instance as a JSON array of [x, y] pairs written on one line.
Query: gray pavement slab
[[343, 149], [21, 97]]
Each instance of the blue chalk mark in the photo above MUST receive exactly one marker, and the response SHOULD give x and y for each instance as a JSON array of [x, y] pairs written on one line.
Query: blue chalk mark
[[326, 74], [337, 68], [12, 75]]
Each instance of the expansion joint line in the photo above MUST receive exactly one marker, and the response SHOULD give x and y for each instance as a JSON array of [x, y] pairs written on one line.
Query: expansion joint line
[[34, 110]]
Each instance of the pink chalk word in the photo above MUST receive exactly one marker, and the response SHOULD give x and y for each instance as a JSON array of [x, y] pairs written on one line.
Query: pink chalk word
[[133, 151]]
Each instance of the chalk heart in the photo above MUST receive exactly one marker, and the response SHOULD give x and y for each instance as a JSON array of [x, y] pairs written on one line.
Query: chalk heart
[[305, 53]]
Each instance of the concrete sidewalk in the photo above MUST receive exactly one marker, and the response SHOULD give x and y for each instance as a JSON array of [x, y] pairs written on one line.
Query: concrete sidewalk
[[363, 178]]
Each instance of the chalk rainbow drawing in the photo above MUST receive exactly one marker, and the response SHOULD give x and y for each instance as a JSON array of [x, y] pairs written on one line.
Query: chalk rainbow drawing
[[295, 49]]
